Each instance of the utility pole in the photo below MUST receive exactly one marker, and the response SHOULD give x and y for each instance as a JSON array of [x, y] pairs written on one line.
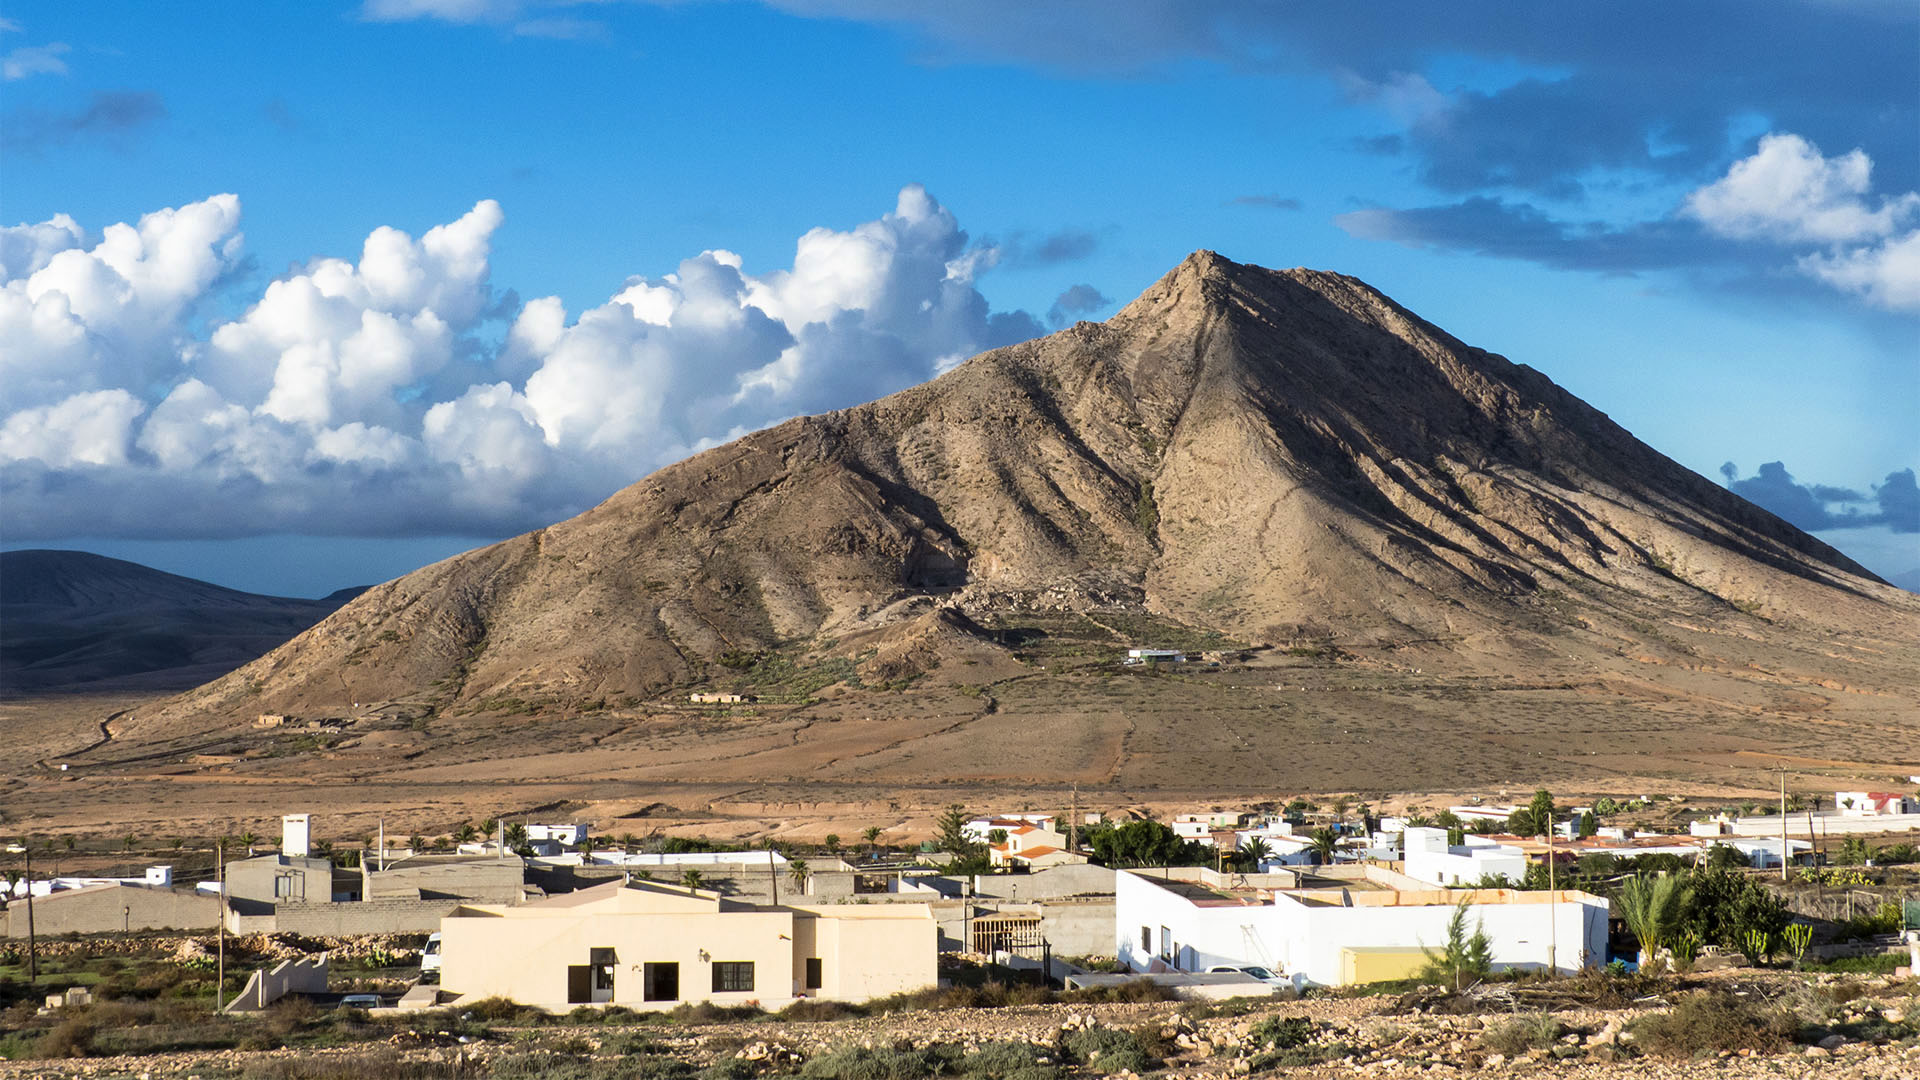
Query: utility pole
[[33, 941], [220, 964], [1073, 820], [1784, 848], [1553, 906], [773, 874]]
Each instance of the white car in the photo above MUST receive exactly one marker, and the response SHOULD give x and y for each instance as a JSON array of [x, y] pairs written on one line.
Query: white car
[[1252, 971], [430, 956]]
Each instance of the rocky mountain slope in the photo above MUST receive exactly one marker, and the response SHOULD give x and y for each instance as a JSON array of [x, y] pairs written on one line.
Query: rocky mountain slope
[[1285, 458], [70, 620]]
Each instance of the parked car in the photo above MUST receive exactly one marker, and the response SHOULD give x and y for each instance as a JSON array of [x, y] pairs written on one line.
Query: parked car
[[360, 1001], [1252, 971], [430, 956]]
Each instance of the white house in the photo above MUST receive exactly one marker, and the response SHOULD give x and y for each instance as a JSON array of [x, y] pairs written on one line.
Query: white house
[[1283, 847], [564, 835], [1429, 858], [1034, 848], [1873, 803], [1341, 925], [980, 830]]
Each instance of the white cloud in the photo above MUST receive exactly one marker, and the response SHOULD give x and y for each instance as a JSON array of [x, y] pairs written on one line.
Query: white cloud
[[78, 319], [386, 396], [31, 60], [1887, 274], [1789, 193], [85, 429]]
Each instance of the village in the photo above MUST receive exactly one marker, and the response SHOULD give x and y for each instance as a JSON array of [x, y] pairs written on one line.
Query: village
[[1209, 904]]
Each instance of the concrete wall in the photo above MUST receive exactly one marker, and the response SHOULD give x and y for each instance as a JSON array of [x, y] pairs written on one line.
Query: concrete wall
[[307, 975], [112, 908], [1082, 880], [486, 881], [275, 878], [364, 917]]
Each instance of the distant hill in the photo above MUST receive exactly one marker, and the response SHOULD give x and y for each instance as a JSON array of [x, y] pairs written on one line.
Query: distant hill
[[71, 620], [1284, 458], [1910, 580]]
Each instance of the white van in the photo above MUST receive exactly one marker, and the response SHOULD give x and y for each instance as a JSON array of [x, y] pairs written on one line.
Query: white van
[[430, 956]]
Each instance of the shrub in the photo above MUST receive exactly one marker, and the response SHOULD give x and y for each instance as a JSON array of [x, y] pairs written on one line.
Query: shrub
[[501, 1010], [854, 1062], [730, 1068], [1522, 1033], [1282, 1032], [1708, 1022], [706, 1012], [1108, 1050], [384, 1064], [1007, 1061], [71, 1038], [814, 1010]]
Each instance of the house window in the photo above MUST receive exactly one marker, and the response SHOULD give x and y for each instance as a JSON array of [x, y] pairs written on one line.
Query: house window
[[1166, 944], [1146, 940], [814, 979], [660, 982], [732, 977]]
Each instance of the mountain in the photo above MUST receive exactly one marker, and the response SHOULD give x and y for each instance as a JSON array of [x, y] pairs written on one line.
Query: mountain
[[1908, 580], [70, 620], [1269, 458]]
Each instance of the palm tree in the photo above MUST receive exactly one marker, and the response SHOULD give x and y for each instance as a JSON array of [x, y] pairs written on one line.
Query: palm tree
[[1324, 842], [833, 843], [797, 870], [586, 847], [1254, 852], [1651, 907], [465, 833], [872, 837], [691, 878], [248, 838]]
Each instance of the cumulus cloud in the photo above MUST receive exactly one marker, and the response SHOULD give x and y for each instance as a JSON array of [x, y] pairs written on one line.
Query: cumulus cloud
[[30, 60], [1789, 193], [403, 393], [1893, 503]]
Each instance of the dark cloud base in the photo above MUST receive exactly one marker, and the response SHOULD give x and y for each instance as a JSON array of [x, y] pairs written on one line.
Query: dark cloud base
[[1821, 507]]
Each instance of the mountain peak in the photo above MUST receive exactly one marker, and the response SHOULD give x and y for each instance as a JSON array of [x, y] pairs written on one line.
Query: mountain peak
[[1268, 456]]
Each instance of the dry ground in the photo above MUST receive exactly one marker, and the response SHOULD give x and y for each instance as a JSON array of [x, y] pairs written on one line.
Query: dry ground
[[1715, 722]]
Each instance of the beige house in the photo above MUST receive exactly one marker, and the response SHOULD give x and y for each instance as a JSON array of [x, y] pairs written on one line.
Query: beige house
[[649, 945]]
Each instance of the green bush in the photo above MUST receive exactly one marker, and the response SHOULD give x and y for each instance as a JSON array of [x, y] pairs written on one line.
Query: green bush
[[853, 1062], [1108, 1050], [384, 1064], [501, 1010], [1007, 1061], [815, 1010], [1281, 1032]]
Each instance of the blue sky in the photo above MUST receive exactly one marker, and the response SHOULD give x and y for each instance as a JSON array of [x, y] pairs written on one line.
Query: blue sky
[[661, 225]]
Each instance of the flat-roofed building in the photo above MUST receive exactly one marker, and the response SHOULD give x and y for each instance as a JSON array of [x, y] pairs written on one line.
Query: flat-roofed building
[[650, 945], [1336, 925]]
